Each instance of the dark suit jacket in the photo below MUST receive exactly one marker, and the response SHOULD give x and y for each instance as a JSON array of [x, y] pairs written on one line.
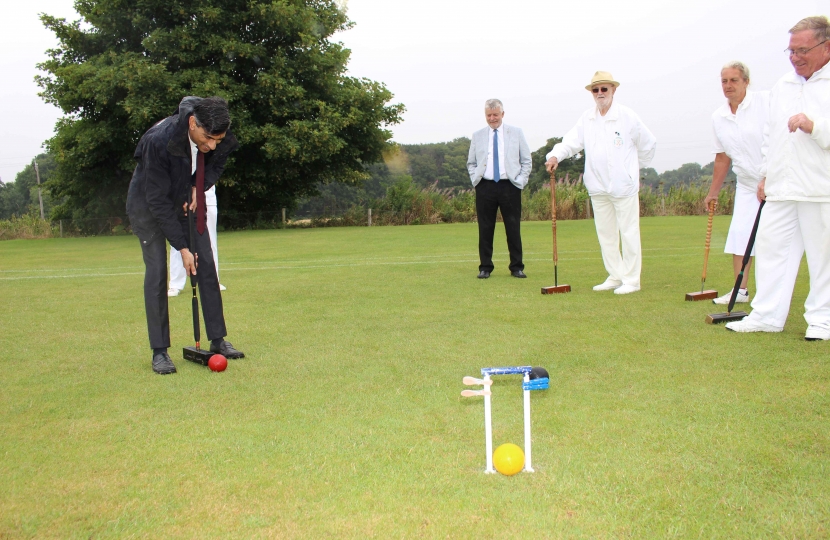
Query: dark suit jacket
[[161, 180]]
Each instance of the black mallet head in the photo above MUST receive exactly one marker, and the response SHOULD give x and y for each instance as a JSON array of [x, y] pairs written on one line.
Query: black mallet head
[[538, 373], [198, 356], [717, 318]]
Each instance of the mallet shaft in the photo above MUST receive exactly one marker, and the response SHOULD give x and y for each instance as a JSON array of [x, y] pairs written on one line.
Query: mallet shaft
[[193, 280], [553, 227], [712, 205], [747, 256]]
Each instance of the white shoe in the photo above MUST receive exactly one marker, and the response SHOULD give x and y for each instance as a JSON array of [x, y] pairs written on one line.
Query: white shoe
[[747, 325], [608, 285], [222, 287], [173, 292], [626, 289], [817, 333], [742, 298]]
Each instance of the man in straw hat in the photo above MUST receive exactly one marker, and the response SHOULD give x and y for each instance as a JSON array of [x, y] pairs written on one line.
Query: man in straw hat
[[617, 145], [796, 185]]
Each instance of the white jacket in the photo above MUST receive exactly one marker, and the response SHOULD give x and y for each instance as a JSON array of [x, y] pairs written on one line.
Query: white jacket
[[797, 165], [627, 145]]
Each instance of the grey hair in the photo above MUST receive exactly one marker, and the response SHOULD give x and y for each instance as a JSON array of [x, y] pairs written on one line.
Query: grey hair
[[493, 104], [818, 24], [740, 66], [212, 115]]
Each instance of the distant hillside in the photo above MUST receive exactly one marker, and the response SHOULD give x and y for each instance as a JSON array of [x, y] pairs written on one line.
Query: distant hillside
[[443, 166]]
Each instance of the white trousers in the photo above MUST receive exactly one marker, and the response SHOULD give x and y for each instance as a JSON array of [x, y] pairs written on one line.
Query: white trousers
[[788, 229], [178, 276], [618, 218]]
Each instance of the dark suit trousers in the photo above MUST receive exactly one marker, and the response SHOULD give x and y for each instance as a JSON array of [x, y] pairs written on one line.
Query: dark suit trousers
[[155, 288], [490, 197]]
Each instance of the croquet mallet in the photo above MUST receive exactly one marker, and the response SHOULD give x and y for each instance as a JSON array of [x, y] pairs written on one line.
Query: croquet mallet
[[729, 316], [557, 288], [195, 354], [710, 294]]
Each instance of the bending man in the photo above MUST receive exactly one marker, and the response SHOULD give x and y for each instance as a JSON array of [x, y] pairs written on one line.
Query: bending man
[[176, 155]]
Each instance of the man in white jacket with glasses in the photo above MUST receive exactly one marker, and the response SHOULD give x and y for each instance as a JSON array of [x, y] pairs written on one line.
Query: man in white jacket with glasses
[[617, 145], [796, 186]]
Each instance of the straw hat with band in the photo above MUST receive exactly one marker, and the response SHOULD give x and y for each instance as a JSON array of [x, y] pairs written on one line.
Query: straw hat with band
[[601, 77]]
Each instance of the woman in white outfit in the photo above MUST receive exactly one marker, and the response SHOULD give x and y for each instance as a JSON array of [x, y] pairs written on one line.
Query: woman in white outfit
[[178, 277], [738, 127]]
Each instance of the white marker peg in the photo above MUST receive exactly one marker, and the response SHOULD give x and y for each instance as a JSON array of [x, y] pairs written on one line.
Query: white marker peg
[[474, 393], [470, 381]]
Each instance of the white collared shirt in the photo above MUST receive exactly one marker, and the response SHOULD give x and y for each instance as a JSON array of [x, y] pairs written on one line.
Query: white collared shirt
[[741, 135], [488, 172], [210, 195], [194, 152], [797, 165], [616, 147]]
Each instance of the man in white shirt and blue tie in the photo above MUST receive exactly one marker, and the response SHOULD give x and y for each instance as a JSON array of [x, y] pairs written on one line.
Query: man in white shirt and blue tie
[[499, 165]]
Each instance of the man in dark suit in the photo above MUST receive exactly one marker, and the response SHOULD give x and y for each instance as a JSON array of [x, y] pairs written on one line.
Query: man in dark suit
[[180, 158], [499, 166]]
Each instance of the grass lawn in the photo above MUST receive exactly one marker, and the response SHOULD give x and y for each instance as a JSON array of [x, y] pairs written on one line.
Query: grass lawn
[[345, 420]]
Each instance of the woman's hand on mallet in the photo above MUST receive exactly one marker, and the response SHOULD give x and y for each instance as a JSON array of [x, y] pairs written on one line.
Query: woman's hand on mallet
[[709, 200], [551, 164]]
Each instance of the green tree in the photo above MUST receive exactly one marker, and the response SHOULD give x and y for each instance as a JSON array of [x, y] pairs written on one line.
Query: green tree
[[20, 197], [444, 164], [300, 120], [649, 176]]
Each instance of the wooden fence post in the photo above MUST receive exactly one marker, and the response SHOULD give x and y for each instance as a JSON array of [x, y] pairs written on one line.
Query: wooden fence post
[[370, 217]]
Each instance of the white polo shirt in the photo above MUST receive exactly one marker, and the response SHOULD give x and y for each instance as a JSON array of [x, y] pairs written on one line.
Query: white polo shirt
[[741, 135]]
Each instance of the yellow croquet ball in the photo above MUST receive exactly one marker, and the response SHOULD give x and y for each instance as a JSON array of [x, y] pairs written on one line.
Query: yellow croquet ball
[[508, 459]]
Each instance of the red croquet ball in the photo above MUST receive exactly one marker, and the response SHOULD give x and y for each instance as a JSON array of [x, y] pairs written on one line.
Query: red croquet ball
[[217, 362]]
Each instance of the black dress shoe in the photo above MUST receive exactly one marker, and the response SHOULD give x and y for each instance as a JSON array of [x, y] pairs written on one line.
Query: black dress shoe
[[518, 273], [484, 274], [162, 364], [226, 349]]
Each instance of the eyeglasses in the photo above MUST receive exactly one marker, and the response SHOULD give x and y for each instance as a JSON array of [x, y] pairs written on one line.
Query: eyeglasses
[[802, 52], [603, 89]]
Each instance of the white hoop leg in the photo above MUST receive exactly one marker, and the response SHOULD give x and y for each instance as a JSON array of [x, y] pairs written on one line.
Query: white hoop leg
[[488, 428], [528, 461]]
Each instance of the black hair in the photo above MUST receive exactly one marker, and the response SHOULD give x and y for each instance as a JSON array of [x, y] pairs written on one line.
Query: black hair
[[212, 114]]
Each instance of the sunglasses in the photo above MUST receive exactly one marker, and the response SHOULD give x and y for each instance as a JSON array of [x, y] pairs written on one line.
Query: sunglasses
[[604, 90]]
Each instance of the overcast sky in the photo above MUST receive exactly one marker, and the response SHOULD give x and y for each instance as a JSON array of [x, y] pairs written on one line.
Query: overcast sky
[[444, 58]]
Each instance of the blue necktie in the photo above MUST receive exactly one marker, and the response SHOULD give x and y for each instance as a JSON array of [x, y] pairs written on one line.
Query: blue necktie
[[496, 173]]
